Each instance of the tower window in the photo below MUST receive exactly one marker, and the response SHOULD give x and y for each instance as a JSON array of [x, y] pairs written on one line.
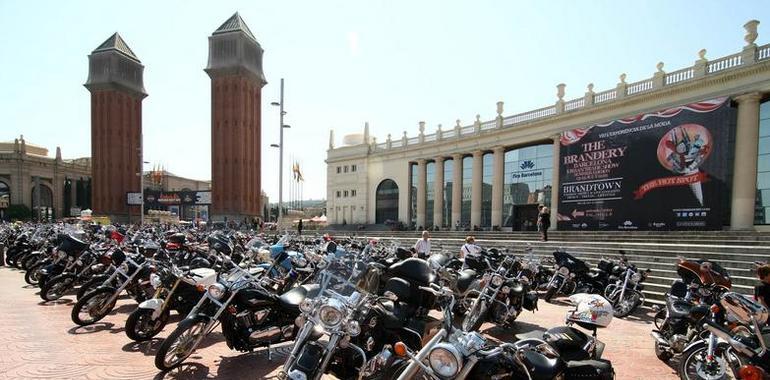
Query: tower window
[[345, 169], [339, 169], [353, 168], [338, 193], [346, 194], [352, 193]]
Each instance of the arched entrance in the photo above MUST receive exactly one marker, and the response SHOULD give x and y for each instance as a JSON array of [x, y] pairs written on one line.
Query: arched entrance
[[386, 202]]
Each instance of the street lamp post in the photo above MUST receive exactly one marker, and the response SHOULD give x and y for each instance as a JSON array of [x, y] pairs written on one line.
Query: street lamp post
[[280, 156], [141, 177]]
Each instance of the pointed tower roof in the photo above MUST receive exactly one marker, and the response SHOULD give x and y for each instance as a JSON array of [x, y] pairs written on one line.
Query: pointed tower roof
[[235, 24], [116, 42]]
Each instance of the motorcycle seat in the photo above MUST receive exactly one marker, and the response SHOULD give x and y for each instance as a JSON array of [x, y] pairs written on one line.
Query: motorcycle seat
[[465, 278], [594, 273], [395, 314], [292, 298]]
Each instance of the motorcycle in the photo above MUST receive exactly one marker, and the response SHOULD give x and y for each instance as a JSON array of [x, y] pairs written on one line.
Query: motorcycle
[[687, 303], [735, 345], [626, 293], [79, 269], [130, 274], [568, 272], [456, 354], [176, 288], [250, 313], [355, 321], [504, 293]]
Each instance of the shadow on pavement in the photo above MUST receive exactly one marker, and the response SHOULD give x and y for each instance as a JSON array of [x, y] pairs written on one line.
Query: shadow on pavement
[[186, 371], [90, 329], [149, 347], [60, 301]]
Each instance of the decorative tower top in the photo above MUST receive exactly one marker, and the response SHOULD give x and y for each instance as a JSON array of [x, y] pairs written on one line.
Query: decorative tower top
[[113, 65], [233, 49], [366, 133], [331, 139]]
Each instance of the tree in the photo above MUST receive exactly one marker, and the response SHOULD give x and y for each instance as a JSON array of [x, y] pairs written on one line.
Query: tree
[[18, 212]]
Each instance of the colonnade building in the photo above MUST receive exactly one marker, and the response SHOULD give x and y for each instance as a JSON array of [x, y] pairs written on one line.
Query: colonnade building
[[684, 149]]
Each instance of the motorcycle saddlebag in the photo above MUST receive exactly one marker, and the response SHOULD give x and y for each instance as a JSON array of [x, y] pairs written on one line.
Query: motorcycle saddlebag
[[530, 301], [589, 369]]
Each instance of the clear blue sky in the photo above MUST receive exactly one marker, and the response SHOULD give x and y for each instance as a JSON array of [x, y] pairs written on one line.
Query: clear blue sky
[[392, 63]]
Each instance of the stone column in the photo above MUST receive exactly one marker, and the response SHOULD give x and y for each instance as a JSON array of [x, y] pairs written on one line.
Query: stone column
[[478, 172], [498, 175], [745, 165], [422, 175], [555, 180], [438, 193], [457, 188]]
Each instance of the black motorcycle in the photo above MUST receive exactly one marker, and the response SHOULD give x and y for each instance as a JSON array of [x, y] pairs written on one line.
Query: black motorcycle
[[569, 271], [503, 295], [251, 315]]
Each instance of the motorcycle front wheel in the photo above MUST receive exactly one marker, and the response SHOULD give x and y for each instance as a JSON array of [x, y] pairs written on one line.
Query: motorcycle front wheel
[[627, 305], [180, 344], [90, 285], [32, 276], [141, 327], [695, 366], [93, 307], [475, 316]]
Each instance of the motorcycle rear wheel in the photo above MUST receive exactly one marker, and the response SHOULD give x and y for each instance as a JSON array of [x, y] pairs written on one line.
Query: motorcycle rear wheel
[[57, 287], [93, 307], [180, 344]]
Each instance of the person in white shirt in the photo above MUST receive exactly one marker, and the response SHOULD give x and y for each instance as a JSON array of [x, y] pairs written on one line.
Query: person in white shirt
[[470, 250], [422, 246]]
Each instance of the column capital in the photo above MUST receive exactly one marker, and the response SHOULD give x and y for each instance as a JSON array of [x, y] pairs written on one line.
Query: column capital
[[478, 153], [457, 156], [750, 97], [421, 161], [498, 149], [439, 159], [556, 137]]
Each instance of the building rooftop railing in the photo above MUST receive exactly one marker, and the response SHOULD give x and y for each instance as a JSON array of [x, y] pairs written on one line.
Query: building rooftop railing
[[751, 54]]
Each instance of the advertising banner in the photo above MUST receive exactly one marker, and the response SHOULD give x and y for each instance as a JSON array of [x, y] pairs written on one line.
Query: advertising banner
[[154, 198], [665, 170]]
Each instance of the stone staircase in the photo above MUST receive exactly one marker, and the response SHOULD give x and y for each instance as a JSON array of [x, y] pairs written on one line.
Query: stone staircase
[[735, 251]]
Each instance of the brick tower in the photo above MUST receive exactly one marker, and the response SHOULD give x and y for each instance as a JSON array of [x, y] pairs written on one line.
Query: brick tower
[[235, 69], [117, 89]]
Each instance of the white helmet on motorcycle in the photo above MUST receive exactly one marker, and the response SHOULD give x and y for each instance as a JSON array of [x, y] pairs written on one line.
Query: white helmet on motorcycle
[[591, 311]]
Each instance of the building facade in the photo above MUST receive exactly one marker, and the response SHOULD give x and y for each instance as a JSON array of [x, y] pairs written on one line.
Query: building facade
[[709, 124], [235, 69], [64, 185]]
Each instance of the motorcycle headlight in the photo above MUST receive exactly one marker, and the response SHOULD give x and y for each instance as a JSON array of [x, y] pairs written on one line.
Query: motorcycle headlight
[[217, 291], [353, 328], [306, 305], [155, 280], [62, 254], [444, 360], [506, 290], [636, 277], [330, 315], [564, 271], [497, 280]]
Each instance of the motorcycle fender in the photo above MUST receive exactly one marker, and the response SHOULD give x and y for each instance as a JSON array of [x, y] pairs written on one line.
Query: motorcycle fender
[[696, 343], [111, 288], [154, 304]]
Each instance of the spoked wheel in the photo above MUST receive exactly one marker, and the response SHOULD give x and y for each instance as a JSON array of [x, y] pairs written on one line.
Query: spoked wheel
[[90, 285], [180, 344], [475, 316], [140, 325], [93, 307], [57, 287], [695, 365], [625, 306]]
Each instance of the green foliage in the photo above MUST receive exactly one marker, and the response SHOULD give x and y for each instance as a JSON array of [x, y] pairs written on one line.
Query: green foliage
[[18, 212]]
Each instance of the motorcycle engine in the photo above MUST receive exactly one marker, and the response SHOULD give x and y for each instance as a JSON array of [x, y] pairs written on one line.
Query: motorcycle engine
[[678, 342]]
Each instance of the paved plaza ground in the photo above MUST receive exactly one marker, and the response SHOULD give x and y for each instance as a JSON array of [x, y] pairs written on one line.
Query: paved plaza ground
[[39, 341]]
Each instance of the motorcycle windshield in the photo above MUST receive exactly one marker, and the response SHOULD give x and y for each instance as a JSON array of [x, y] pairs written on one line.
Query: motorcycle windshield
[[347, 279], [574, 264]]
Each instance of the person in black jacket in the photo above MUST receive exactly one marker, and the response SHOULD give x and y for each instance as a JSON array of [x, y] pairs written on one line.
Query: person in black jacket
[[762, 291], [543, 222]]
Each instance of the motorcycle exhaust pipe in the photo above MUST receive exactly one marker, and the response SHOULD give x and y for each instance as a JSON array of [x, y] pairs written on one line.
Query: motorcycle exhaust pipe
[[659, 338]]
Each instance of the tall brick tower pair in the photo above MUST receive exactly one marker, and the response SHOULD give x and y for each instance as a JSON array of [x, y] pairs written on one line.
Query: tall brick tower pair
[[117, 90]]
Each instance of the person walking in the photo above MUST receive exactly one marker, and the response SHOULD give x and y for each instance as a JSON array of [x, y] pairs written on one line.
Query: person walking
[[422, 246], [299, 227], [543, 222]]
